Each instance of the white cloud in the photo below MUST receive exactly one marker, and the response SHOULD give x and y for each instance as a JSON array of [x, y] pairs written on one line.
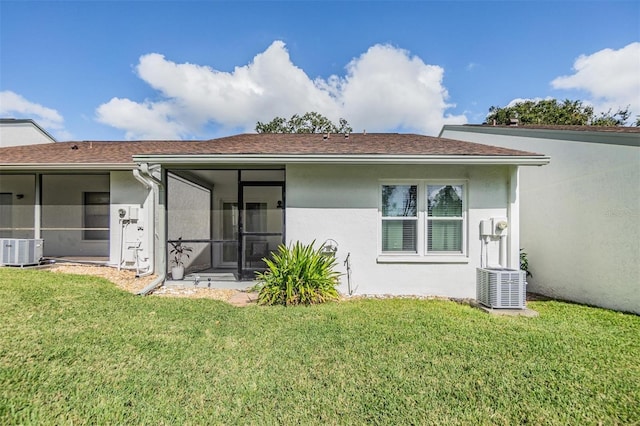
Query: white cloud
[[145, 121], [383, 89], [15, 106], [611, 77], [516, 101]]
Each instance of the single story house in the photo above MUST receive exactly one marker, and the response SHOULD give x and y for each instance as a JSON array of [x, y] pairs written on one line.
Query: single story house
[[580, 215], [402, 210]]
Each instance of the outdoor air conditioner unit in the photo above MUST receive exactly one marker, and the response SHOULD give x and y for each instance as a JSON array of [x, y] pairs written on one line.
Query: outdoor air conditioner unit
[[501, 288], [20, 252]]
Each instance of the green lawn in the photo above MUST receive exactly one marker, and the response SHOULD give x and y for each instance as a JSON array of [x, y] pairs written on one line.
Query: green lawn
[[76, 349]]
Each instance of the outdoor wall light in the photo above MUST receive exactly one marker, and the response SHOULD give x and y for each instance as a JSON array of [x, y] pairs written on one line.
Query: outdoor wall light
[[19, 196]]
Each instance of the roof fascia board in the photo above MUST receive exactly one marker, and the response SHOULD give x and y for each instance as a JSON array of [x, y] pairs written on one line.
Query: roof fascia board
[[343, 159], [73, 166], [592, 136]]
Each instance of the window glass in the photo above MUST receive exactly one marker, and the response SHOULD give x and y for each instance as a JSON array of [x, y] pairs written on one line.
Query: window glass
[[444, 218], [399, 235], [445, 235], [444, 200], [399, 200], [399, 218]]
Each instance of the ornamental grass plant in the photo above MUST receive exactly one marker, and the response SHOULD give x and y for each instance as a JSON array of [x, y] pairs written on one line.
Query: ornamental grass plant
[[298, 275]]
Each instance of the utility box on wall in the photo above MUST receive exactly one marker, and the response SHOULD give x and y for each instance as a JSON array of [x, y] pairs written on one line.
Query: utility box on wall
[[20, 252], [501, 288]]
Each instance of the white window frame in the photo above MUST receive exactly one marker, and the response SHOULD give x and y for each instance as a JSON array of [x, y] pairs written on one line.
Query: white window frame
[[423, 255], [415, 219], [462, 218]]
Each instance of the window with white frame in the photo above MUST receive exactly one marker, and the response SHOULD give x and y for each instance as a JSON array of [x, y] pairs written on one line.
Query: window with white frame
[[423, 218], [445, 218], [399, 218]]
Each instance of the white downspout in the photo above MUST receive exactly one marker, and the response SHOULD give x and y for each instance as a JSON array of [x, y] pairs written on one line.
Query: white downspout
[[144, 176], [512, 243]]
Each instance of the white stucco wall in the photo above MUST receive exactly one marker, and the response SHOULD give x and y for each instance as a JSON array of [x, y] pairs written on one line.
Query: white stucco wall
[[342, 203], [127, 233], [580, 218], [21, 132]]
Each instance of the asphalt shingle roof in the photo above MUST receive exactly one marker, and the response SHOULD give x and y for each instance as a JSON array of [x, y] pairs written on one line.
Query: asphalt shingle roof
[[118, 152]]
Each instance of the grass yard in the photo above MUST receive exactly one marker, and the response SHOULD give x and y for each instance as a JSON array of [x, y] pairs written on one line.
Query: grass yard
[[76, 349]]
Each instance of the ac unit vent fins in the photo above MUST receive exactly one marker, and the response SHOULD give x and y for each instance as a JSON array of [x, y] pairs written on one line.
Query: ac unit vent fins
[[501, 288]]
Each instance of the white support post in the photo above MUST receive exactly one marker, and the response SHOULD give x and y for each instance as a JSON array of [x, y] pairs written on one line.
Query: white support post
[[513, 211], [37, 209]]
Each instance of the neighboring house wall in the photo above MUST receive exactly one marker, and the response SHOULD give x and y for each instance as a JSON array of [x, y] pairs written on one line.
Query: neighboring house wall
[[22, 132], [343, 203], [579, 214]]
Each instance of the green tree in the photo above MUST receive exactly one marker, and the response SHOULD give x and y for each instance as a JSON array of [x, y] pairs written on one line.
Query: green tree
[[619, 118], [554, 112], [310, 122]]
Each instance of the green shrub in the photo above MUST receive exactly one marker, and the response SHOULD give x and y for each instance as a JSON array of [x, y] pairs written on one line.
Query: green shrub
[[298, 275], [524, 263]]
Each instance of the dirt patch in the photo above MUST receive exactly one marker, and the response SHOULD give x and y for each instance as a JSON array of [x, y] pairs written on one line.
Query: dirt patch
[[127, 281], [223, 294], [124, 279]]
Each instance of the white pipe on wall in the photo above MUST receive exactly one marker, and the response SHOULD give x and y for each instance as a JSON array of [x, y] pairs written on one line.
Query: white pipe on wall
[[150, 231], [503, 252], [144, 175]]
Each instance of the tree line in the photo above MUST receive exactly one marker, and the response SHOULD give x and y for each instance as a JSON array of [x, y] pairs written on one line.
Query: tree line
[[540, 112]]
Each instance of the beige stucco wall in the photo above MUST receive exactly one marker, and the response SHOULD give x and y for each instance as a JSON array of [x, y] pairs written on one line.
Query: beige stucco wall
[[580, 218], [342, 203]]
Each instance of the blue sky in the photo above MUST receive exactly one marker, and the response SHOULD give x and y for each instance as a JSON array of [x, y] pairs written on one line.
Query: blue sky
[[114, 70]]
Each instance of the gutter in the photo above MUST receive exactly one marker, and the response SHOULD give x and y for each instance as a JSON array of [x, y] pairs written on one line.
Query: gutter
[[192, 159], [66, 166], [143, 174]]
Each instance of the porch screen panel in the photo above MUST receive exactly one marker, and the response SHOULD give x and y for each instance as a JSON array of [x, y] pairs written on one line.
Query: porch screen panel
[[6, 204], [17, 206], [76, 215], [399, 218], [189, 219], [96, 216]]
